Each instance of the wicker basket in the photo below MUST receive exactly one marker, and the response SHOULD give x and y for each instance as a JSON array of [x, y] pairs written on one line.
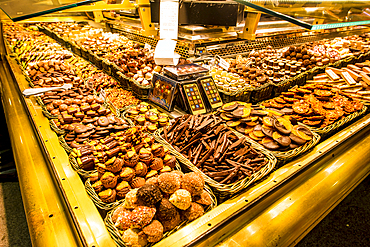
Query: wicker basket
[[85, 54], [98, 61], [285, 157], [124, 81], [142, 92], [323, 132], [55, 128], [240, 95], [64, 144], [262, 93], [106, 66], [76, 167], [116, 236], [223, 191], [76, 49], [95, 198]]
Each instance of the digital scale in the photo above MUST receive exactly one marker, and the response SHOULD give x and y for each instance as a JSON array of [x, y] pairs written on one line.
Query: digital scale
[[196, 96]]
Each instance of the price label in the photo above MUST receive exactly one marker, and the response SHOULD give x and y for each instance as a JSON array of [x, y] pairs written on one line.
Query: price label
[[147, 46], [222, 63]]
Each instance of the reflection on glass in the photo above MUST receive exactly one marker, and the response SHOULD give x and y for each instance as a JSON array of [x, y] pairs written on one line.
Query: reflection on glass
[[23, 9]]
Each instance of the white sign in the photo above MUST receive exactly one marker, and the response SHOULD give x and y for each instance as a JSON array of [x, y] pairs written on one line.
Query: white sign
[[147, 46], [222, 63], [164, 53], [168, 19]]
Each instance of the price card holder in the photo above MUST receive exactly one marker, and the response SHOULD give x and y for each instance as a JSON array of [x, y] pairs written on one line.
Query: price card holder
[[163, 91], [210, 91], [222, 62], [193, 97]]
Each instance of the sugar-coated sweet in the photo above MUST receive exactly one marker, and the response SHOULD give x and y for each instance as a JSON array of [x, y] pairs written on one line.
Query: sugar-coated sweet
[[148, 195], [181, 199], [193, 182], [142, 216], [193, 212], [122, 218], [134, 238], [168, 225], [166, 210], [131, 199], [169, 182], [154, 231]]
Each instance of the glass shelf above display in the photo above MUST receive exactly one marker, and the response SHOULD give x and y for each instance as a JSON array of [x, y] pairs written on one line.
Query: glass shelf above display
[[18, 10], [325, 14]]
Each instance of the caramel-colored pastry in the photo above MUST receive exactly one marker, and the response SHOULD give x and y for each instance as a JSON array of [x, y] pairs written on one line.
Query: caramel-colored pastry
[[157, 164], [137, 182], [148, 195], [122, 189], [154, 231], [134, 238], [108, 196], [158, 150], [193, 182], [152, 173], [127, 174], [168, 225], [204, 199], [109, 180], [152, 180], [117, 212], [94, 177], [169, 160], [165, 169], [193, 212], [131, 199], [181, 199], [122, 218], [141, 169], [169, 182], [166, 210], [145, 156], [115, 166], [100, 167], [97, 186], [131, 159], [142, 216]]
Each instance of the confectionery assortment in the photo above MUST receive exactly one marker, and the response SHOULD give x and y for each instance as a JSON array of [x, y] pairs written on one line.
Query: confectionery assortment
[[274, 128], [120, 98], [134, 61], [271, 65], [123, 161], [353, 80], [317, 105], [213, 148], [154, 209], [126, 164], [146, 115]]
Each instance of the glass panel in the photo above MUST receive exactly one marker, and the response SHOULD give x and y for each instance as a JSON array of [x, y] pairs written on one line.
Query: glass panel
[[23, 9], [313, 14]]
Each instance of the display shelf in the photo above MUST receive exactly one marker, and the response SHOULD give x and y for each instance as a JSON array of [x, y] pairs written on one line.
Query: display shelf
[[279, 210]]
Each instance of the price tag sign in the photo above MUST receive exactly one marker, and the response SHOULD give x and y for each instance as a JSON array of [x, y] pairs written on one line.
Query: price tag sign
[[147, 46], [168, 19], [222, 63], [164, 53]]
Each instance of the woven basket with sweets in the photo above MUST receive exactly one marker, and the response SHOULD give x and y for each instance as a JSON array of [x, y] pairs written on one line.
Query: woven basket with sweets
[[228, 163], [156, 222]]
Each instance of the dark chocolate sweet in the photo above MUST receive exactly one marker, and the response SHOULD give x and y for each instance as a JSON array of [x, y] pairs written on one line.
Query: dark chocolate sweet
[[148, 195]]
